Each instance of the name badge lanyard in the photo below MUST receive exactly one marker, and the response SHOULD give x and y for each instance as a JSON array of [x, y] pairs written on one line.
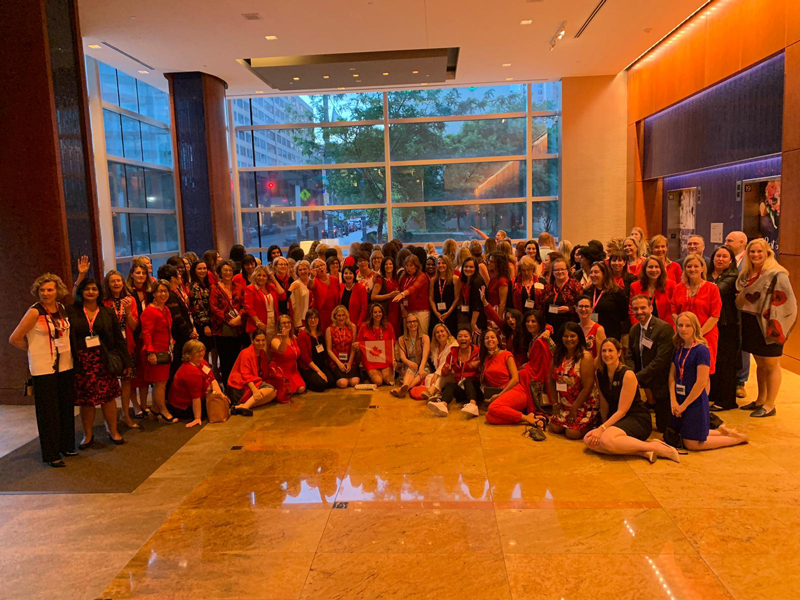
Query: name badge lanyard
[[596, 299], [53, 335], [91, 320], [442, 284], [683, 362], [527, 289]]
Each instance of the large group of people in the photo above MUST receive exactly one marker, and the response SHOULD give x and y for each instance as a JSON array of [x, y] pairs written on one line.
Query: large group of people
[[581, 340]]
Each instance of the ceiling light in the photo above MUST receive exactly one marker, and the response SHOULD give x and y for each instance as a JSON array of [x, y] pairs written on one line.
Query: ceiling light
[[509, 79], [385, 74], [423, 84], [506, 64], [562, 29], [326, 77], [341, 88], [296, 78], [143, 72], [358, 81], [355, 74], [526, 22], [352, 68], [415, 72], [271, 38], [94, 46], [260, 92]]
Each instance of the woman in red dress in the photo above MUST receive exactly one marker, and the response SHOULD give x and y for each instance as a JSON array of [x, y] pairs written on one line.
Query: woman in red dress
[[696, 295], [635, 260], [246, 386], [157, 338], [377, 329], [654, 284], [386, 287], [339, 341], [497, 290], [593, 332], [414, 292], [324, 292], [261, 302], [285, 352]]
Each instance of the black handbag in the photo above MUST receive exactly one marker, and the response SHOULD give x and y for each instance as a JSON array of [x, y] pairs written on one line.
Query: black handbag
[[673, 438], [229, 331], [113, 362], [163, 358]]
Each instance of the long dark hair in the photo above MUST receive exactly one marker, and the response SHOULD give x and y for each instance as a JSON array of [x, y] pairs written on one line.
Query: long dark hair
[[464, 278], [731, 267], [561, 352], [500, 264], [525, 337], [383, 320], [82, 286], [661, 282], [194, 278], [519, 347], [484, 351], [394, 267], [609, 285]]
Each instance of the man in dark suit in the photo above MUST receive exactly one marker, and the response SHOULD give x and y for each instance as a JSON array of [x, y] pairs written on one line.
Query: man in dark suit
[[650, 350], [696, 246]]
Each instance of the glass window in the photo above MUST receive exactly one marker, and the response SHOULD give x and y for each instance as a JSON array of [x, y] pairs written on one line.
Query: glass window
[[545, 136], [461, 181], [131, 138], [122, 242], [444, 102], [108, 84], [153, 102], [544, 217], [156, 145], [321, 145], [546, 96], [163, 233], [327, 108], [135, 186], [457, 139], [334, 227], [160, 187], [140, 236], [544, 173], [247, 189], [244, 149], [116, 183], [113, 131], [320, 187], [434, 223], [128, 97]]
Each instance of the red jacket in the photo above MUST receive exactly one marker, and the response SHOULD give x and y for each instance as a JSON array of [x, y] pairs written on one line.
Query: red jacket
[[417, 288], [156, 329], [128, 330], [358, 303], [245, 369], [256, 306], [220, 304], [468, 370]]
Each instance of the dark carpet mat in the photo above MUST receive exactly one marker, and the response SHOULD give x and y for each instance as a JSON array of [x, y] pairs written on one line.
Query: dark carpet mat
[[101, 468]]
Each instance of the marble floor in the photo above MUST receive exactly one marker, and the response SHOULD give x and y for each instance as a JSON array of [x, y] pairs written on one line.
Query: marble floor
[[356, 495]]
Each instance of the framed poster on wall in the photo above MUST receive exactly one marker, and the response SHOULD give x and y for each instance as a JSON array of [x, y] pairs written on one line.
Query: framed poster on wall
[[681, 219], [761, 209]]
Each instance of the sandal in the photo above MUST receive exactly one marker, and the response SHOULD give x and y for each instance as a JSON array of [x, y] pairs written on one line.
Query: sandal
[[170, 420], [142, 414]]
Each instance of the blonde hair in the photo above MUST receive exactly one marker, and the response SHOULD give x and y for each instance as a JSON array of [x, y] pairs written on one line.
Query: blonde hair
[[677, 340], [635, 243], [565, 247], [643, 243], [615, 245], [505, 247], [770, 263], [462, 255], [61, 289], [449, 248], [256, 271], [190, 348], [446, 260], [302, 262], [690, 258], [291, 325], [339, 309], [450, 338], [526, 262]]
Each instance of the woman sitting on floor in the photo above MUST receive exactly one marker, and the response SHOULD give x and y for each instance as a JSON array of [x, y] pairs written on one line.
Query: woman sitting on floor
[[246, 386], [464, 364], [377, 329], [571, 384], [625, 421], [193, 381], [414, 347], [285, 352], [441, 344]]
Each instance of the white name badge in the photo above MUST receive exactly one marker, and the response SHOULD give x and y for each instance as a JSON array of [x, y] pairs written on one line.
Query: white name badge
[[319, 348], [405, 302], [647, 342], [464, 308], [92, 341], [124, 334], [538, 286], [528, 303], [594, 317], [561, 387], [680, 389], [441, 306], [62, 344], [206, 369], [553, 309], [343, 356]]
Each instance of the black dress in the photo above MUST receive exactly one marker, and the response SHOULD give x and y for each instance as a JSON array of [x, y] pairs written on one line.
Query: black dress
[[723, 381], [612, 311], [446, 294], [471, 299], [637, 422]]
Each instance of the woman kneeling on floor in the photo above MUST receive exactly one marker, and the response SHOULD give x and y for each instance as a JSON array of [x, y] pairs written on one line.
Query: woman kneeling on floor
[[246, 385], [626, 423], [688, 390], [193, 381]]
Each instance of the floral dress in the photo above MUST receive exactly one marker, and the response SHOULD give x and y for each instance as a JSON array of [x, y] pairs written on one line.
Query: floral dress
[[341, 343], [568, 374], [591, 340]]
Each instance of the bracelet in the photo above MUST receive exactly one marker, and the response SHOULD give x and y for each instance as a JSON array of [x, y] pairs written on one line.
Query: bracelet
[[603, 426]]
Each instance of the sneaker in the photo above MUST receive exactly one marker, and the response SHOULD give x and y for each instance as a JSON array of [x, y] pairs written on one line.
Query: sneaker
[[740, 392], [471, 409], [438, 408]]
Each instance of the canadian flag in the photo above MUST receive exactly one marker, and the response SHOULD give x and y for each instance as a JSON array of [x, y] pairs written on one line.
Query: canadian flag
[[377, 354]]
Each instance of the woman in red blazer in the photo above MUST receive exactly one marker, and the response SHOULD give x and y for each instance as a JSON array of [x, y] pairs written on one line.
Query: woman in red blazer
[[261, 302], [353, 296], [246, 386], [156, 337], [654, 283], [226, 305]]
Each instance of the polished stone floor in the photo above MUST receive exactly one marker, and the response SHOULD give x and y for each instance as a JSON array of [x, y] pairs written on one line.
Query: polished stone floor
[[359, 496]]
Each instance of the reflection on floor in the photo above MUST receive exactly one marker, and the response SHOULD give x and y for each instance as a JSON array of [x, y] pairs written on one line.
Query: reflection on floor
[[360, 496]]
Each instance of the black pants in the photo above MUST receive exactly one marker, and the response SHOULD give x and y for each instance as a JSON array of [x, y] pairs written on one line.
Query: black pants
[[228, 349], [663, 409], [177, 361], [470, 391], [725, 378], [54, 396], [187, 414], [314, 382]]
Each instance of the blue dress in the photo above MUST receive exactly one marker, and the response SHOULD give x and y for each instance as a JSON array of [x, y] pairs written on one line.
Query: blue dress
[[694, 424]]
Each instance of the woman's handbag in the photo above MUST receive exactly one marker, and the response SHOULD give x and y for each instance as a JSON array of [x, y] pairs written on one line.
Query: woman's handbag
[[673, 438], [113, 362], [163, 358]]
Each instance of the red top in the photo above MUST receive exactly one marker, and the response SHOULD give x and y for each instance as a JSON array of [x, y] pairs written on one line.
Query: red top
[[468, 370], [674, 272], [358, 303], [539, 359], [417, 288], [493, 291], [705, 304], [367, 334], [325, 297], [662, 300], [246, 369], [190, 382], [156, 328], [127, 330], [239, 280], [220, 304], [256, 303], [341, 342], [634, 269], [495, 369]]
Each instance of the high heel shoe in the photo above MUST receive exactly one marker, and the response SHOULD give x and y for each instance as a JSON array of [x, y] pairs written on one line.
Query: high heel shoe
[[86, 444], [118, 442], [57, 464]]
